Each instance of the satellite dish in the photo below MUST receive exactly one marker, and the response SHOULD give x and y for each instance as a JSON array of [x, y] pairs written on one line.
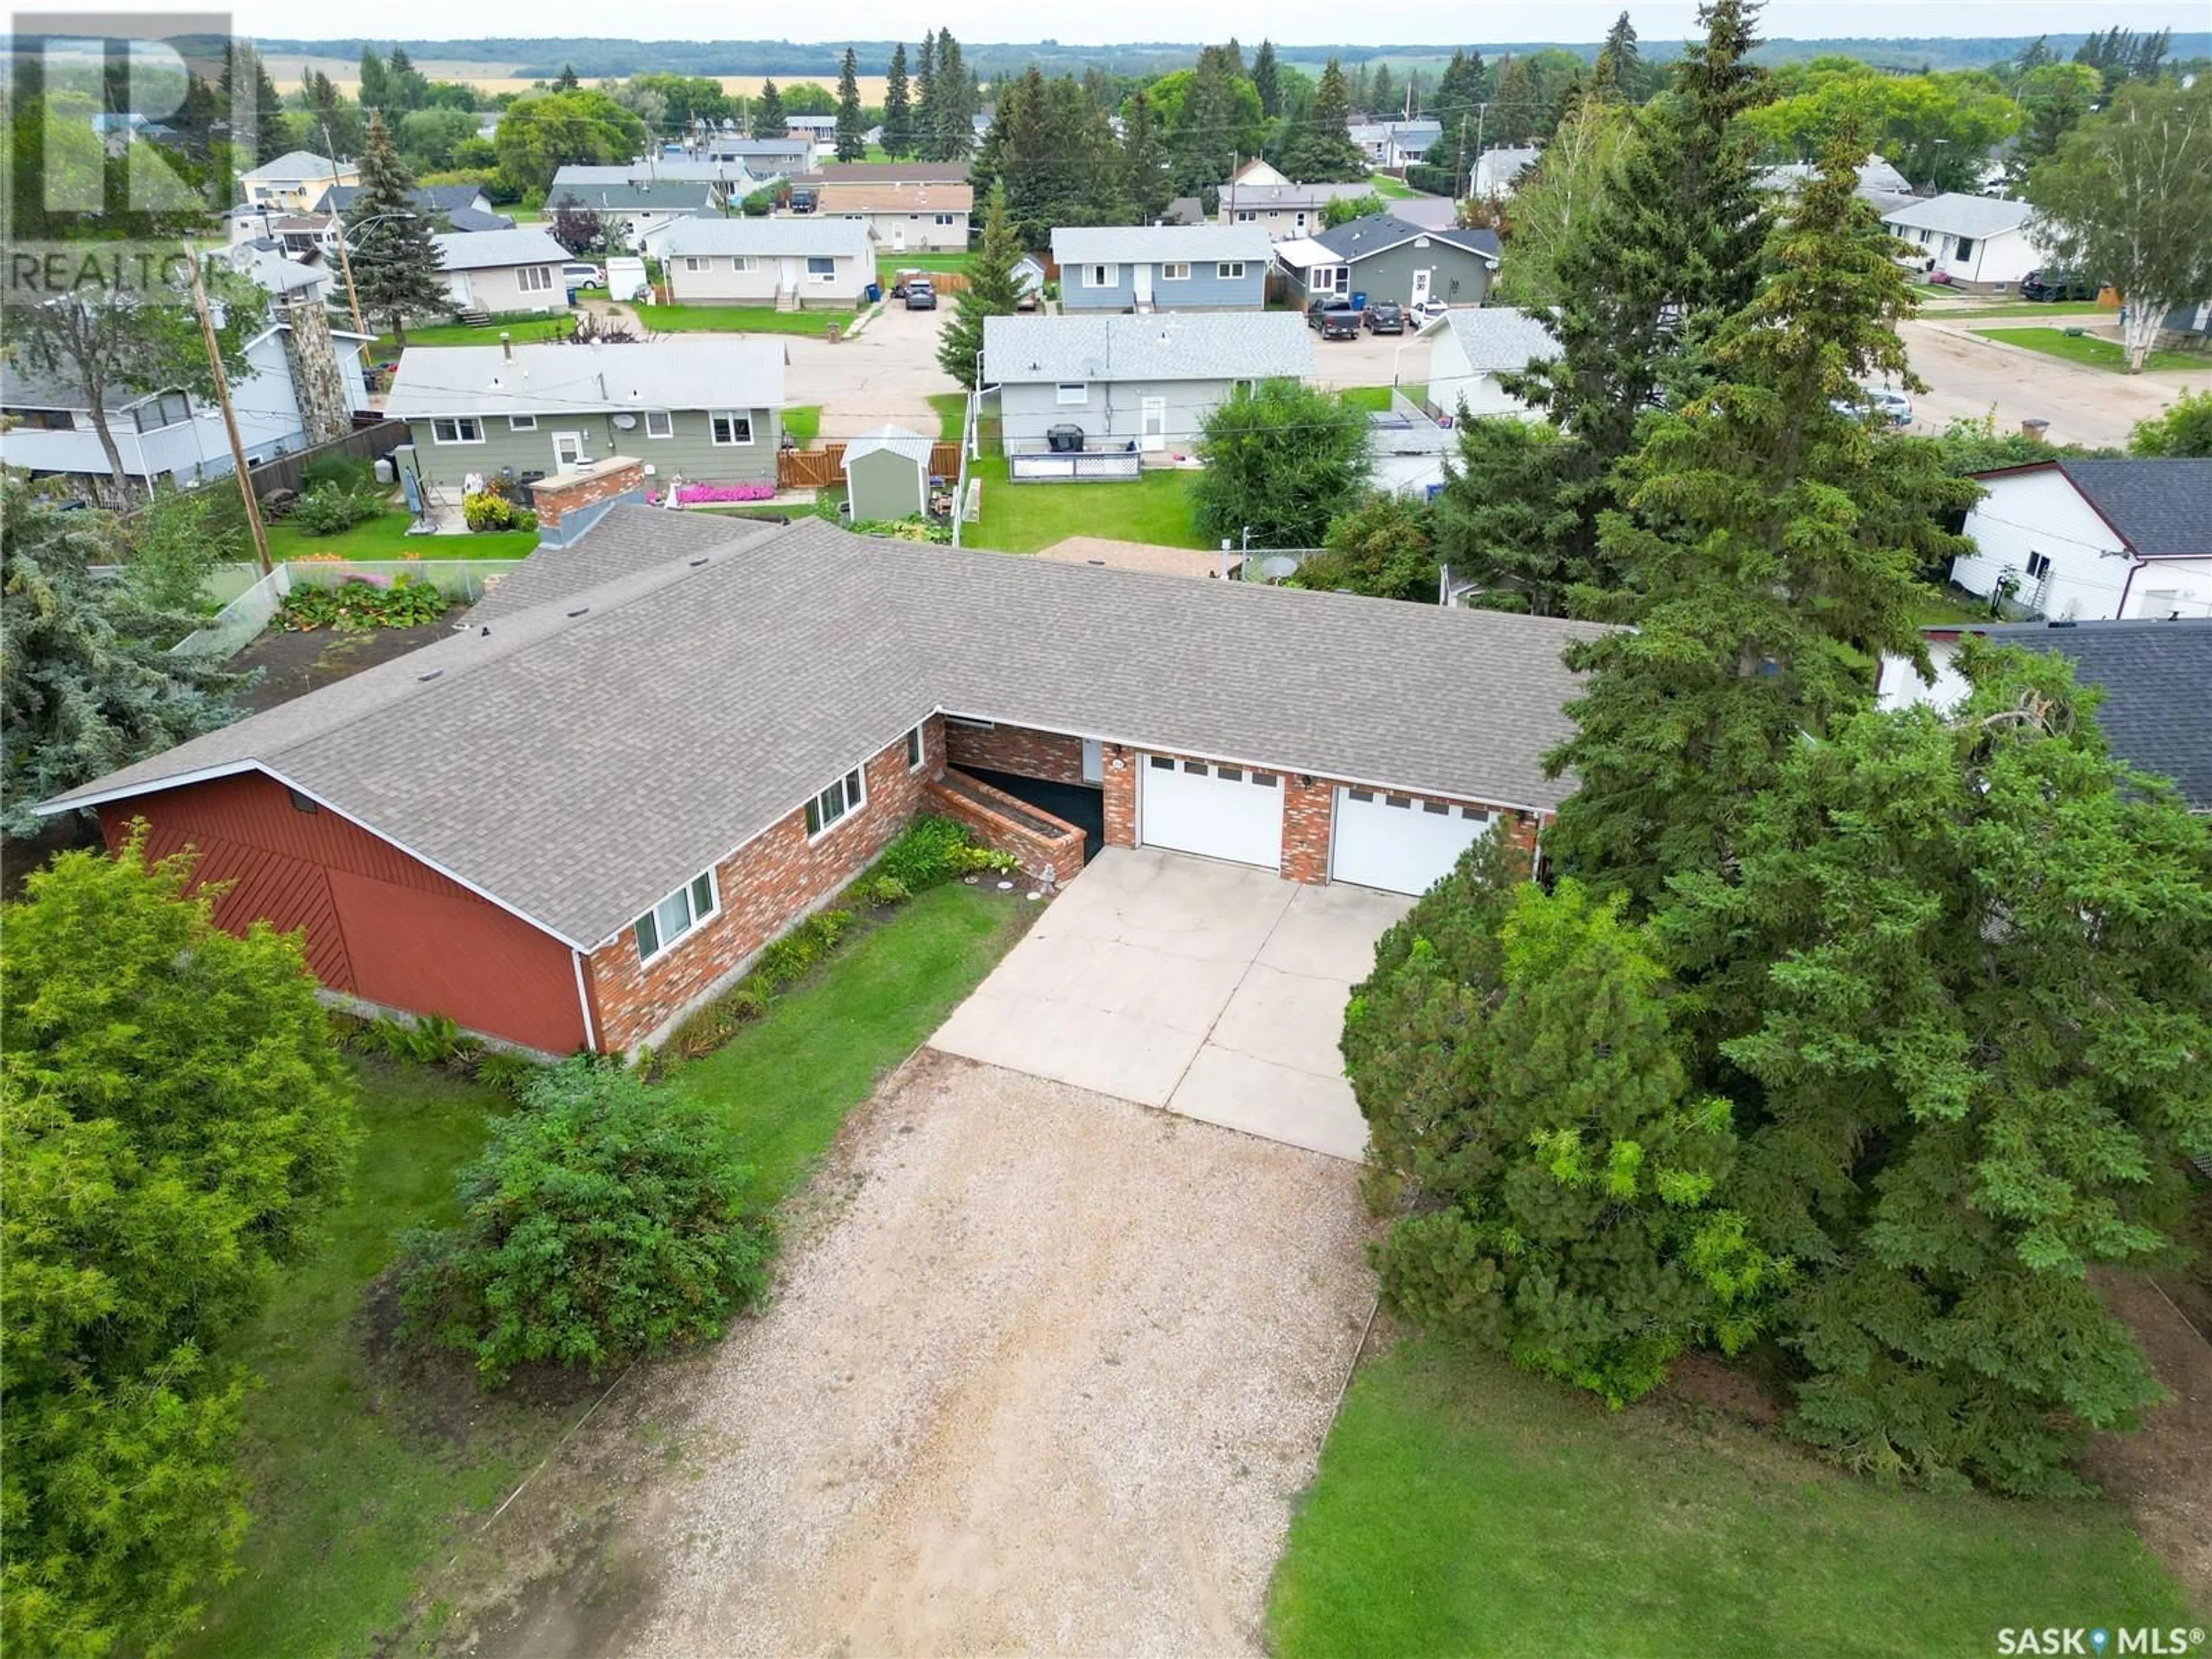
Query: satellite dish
[[625, 422], [1274, 570]]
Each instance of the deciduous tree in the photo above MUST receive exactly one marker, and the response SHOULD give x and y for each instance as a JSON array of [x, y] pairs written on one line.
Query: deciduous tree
[[1282, 461], [1384, 547], [2184, 430]]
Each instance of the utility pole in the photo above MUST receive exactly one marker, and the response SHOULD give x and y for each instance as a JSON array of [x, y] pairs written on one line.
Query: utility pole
[[229, 415], [1458, 172], [345, 261]]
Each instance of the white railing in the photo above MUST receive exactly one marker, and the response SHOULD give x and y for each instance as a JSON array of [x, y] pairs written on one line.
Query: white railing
[[1048, 466], [246, 617]]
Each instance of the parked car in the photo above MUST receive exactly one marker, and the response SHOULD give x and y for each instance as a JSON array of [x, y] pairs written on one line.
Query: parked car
[[1877, 403], [1333, 315], [2051, 285], [1384, 317], [920, 295], [581, 273], [1427, 312]]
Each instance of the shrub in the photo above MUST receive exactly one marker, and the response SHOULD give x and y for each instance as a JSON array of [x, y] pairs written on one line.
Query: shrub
[[332, 508], [602, 1222], [489, 510], [361, 602], [930, 850], [346, 472], [509, 1073], [883, 889]]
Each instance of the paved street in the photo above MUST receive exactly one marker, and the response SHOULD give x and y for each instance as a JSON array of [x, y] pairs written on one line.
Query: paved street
[[1968, 375], [887, 374]]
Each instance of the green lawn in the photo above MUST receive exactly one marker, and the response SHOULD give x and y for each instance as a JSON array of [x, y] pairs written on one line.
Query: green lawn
[[1368, 400], [1390, 190], [739, 319], [388, 538], [784, 1085], [529, 326], [888, 262], [1021, 518], [353, 1490], [952, 409], [804, 422], [2086, 349], [1464, 1507], [2066, 313]]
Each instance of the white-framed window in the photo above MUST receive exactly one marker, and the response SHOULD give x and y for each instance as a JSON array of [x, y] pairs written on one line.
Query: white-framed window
[[1248, 215], [1102, 275], [660, 423], [522, 423], [916, 749], [456, 429], [731, 427], [693, 262], [819, 270], [676, 915], [2038, 566], [839, 800], [1302, 221], [741, 262], [1176, 270], [533, 279], [1074, 391], [1230, 270]]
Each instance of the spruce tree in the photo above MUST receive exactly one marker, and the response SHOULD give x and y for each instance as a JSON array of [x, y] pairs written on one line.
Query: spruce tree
[[1381, 94], [1143, 169], [1770, 549], [395, 260], [1619, 70], [768, 120], [852, 130], [899, 107], [991, 292], [1321, 148], [271, 130], [1105, 197], [374, 91], [925, 99], [1267, 80], [956, 101], [567, 81]]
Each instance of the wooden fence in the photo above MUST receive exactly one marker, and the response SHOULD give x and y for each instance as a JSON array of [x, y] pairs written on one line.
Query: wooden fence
[[823, 468], [366, 443]]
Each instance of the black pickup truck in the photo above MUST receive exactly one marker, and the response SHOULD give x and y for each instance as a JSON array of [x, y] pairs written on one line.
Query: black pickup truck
[[1334, 316]]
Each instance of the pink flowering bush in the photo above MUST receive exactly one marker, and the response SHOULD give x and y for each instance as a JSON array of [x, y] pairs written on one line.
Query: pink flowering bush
[[704, 494]]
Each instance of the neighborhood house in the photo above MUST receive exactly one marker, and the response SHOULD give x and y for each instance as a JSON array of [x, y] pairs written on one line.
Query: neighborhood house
[[785, 702], [1977, 242], [2085, 539], [636, 217], [1383, 257], [1162, 268], [503, 272], [1259, 195], [296, 181], [1472, 349], [1122, 382], [793, 264], [702, 409], [901, 215]]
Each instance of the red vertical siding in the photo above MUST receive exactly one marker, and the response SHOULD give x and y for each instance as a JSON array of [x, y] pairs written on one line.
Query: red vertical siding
[[380, 924]]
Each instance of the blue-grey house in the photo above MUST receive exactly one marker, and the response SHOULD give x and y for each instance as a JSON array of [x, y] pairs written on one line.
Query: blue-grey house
[[1162, 268]]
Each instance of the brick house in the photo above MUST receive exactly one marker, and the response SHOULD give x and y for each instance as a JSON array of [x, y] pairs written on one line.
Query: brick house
[[650, 753]]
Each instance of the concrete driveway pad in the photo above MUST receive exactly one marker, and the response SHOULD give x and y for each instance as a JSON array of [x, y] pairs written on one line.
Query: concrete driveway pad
[[1214, 990]]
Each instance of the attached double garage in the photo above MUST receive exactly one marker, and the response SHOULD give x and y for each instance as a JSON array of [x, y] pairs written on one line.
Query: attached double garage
[[1402, 843]]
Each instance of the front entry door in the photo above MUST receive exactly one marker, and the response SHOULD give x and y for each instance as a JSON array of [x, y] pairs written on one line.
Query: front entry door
[[1152, 424], [568, 451], [1421, 285], [1142, 274]]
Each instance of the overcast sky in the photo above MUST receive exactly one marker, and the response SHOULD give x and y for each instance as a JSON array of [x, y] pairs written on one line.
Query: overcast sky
[[1293, 21]]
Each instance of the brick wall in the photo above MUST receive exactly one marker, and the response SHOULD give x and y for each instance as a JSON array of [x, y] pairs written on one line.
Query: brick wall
[[1020, 750], [1121, 792], [564, 494], [1307, 810], [766, 887], [1005, 825]]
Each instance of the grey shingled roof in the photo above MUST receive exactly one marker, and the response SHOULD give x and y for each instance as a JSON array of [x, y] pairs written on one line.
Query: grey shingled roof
[[581, 760], [2156, 711], [897, 439], [2162, 508], [1121, 245], [1977, 216], [622, 544], [1498, 337], [294, 164], [1213, 345], [688, 372], [481, 250], [802, 237], [1378, 233], [426, 198], [617, 195]]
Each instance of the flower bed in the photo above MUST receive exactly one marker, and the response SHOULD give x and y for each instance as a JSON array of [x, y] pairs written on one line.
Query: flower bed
[[708, 494], [361, 602]]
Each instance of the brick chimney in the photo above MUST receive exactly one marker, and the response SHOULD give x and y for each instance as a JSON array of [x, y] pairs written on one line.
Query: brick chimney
[[569, 503]]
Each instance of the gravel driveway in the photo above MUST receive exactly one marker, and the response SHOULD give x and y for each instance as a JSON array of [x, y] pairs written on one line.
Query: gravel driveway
[[1049, 1383]]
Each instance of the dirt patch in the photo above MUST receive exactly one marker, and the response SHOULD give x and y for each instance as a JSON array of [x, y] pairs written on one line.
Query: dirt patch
[[1044, 1372], [293, 664], [1703, 1382], [2163, 1471]]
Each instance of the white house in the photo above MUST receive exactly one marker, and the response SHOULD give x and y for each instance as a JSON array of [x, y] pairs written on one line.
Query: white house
[[635, 215], [1979, 242], [296, 181], [1258, 194], [1496, 171], [1471, 348], [1395, 145], [503, 272], [2084, 540], [790, 264]]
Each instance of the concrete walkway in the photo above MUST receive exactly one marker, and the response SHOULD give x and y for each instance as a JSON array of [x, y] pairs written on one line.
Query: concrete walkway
[[1214, 990]]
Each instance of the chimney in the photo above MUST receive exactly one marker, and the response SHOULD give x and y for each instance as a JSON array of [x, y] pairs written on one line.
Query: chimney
[[507, 346]]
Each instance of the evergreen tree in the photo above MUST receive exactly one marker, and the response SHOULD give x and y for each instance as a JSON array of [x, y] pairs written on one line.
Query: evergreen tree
[[1968, 961], [271, 133], [768, 120], [1515, 1055], [1106, 199], [1772, 556], [1380, 93], [1143, 169], [333, 119], [395, 259], [87, 682], [373, 92], [991, 291], [852, 130], [1321, 148], [410, 89], [1267, 80], [2053, 99], [1619, 70], [925, 99], [567, 81], [957, 101], [899, 107]]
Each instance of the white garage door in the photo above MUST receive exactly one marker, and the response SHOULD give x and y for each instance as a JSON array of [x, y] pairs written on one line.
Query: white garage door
[[1400, 843], [1222, 811]]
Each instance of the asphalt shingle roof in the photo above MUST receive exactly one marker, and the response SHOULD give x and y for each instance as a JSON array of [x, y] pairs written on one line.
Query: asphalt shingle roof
[[1977, 216], [295, 164], [1376, 233], [1121, 245], [2162, 508], [625, 196], [1203, 345], [1498, 337], [693, 372], [2156, 711], [579, 760], [480, 250], [897, 439], [621, 545], [802, 237]]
